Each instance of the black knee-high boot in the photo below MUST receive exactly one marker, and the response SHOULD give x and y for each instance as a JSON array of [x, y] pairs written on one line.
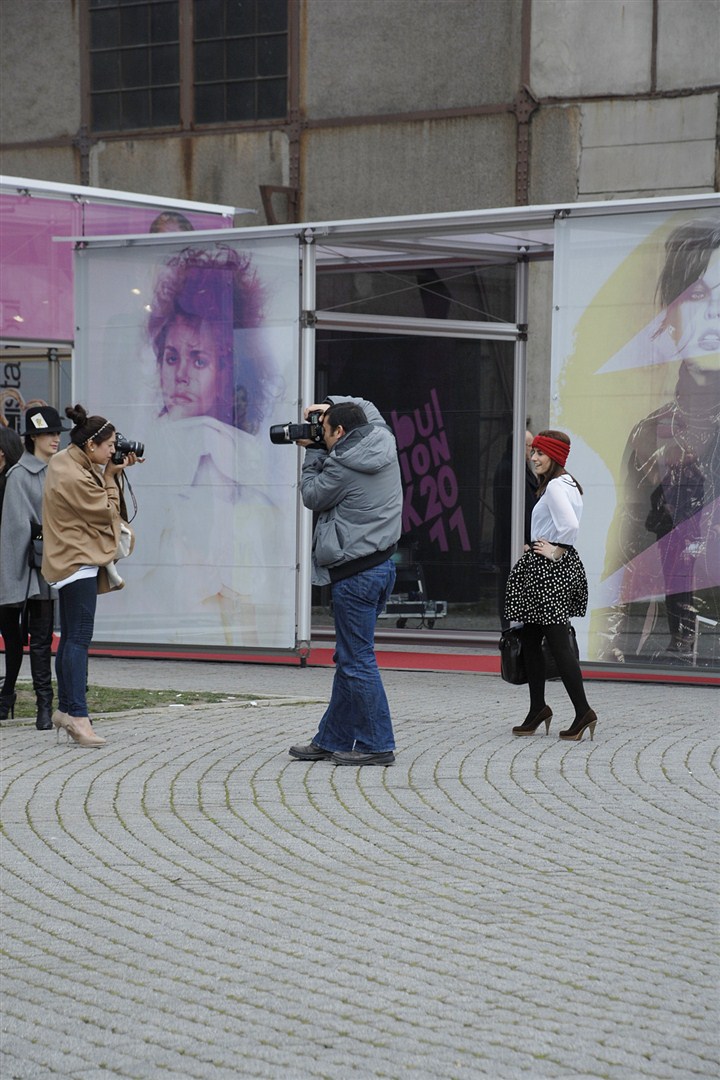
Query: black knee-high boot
[[11, 631], [40, 626]]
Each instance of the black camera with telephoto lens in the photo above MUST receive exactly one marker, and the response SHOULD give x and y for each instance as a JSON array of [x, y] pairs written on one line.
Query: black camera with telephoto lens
[[124, 446], [290, 433]]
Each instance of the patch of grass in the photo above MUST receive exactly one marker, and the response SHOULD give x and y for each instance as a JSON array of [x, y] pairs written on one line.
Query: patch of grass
[[109, 699]]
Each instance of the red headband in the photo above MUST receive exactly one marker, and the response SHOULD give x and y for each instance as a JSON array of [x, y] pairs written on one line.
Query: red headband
[[554, 448]]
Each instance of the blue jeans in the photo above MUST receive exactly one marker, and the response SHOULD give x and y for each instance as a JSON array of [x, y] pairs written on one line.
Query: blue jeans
[[78, 601], [358, 716]]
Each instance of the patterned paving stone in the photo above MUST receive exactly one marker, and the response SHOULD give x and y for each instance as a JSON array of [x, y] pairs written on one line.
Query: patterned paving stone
[[191, 902]]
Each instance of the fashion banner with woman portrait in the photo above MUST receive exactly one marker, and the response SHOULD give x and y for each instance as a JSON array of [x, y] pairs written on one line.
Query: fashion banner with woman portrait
[[192, 349], [636, 381]]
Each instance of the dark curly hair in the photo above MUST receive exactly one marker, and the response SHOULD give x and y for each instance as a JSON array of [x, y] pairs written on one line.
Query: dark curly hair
[[219, 289]]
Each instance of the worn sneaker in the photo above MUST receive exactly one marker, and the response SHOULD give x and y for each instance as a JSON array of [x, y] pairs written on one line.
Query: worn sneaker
[[360, 757], [310, 752]]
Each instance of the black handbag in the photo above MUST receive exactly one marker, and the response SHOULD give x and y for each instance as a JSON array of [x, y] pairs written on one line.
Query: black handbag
[[512, 661], [35, 551]]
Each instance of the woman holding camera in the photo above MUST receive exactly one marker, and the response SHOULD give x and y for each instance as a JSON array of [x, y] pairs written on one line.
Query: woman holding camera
[[82, 513]]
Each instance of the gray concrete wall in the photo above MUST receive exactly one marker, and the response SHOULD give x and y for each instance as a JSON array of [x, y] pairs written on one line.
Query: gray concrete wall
[[39, 70], [363, 57], [58, 164], [602, 129], [554, 151], [537, 388], [584, 47], [423, 167], [222, 168], [688, 43], [640, 149]]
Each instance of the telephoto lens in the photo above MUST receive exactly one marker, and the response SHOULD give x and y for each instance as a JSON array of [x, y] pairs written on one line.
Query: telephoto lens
[[289, 433]]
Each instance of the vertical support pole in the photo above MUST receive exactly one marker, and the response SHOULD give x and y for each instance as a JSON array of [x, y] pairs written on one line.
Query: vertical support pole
[[54, 378], [517, 530], [307, 392]]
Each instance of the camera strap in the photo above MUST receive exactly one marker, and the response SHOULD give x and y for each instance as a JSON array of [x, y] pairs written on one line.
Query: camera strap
[[124, 482]]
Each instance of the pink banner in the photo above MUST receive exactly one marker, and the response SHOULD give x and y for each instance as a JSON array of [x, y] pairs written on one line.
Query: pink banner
[[36, 273]]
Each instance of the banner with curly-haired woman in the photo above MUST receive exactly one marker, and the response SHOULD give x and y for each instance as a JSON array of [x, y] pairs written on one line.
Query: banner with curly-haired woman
[[193, 349], [636, 374]]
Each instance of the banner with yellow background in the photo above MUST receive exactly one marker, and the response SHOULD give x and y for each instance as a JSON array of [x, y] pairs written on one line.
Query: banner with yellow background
[[636, 384]]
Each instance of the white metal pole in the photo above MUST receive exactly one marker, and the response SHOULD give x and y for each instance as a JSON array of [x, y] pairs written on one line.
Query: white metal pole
[[307, 392], [517, 538]]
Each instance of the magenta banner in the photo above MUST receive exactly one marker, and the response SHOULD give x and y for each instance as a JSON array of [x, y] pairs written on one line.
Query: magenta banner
[[430, 484], [36, 273]]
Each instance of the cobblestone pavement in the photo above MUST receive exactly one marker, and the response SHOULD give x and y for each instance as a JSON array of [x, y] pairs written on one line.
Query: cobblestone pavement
[[191, 902]]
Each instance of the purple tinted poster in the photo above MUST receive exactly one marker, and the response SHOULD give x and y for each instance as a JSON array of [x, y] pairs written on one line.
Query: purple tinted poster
[[193, 350], [430, 483]]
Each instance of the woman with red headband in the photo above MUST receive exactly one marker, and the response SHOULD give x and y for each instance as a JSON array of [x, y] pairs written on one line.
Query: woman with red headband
[[547, 587]]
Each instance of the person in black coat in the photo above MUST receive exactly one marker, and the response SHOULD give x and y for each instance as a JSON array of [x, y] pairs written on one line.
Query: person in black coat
[[11, 450], [502, 508], [26, 600]]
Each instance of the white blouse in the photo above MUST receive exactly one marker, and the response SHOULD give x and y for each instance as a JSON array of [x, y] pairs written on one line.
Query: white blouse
[[556, 515]]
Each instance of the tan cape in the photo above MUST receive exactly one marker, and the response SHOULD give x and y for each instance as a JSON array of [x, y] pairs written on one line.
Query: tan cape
[[81, 517]]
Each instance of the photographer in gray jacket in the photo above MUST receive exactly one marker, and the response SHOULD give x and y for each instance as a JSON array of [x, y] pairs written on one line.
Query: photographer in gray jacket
[[353, 483]]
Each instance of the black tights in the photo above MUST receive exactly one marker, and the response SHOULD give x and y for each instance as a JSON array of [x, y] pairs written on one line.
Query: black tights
[[558, 638]]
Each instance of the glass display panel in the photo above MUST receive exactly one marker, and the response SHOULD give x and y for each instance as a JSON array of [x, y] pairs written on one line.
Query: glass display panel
[[27, 378], [475, 293], [449, 403], [194, 353], [636, 378]]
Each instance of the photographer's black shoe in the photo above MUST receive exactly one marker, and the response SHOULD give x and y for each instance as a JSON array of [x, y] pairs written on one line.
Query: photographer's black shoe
[[310, 752], [360, 757]]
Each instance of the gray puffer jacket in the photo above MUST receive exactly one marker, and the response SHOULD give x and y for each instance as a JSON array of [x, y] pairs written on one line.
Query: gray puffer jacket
[[356, 489], [21, 505]]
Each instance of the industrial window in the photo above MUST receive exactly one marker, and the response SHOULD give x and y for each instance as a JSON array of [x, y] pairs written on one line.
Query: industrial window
[[184, 63]]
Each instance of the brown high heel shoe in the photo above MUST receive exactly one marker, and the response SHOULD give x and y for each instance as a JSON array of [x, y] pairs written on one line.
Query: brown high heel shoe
[[530, 725], [575, 732], [80, 731]]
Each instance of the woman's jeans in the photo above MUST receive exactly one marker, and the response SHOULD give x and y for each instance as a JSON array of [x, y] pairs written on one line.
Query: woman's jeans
[[78, 601], [358, 716]]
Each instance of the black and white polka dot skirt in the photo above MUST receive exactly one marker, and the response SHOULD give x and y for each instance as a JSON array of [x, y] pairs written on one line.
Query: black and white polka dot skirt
[[540, 590]]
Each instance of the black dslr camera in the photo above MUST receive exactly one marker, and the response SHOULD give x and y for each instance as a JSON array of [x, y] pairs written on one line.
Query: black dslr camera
[[290, 433], [124, 446]]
